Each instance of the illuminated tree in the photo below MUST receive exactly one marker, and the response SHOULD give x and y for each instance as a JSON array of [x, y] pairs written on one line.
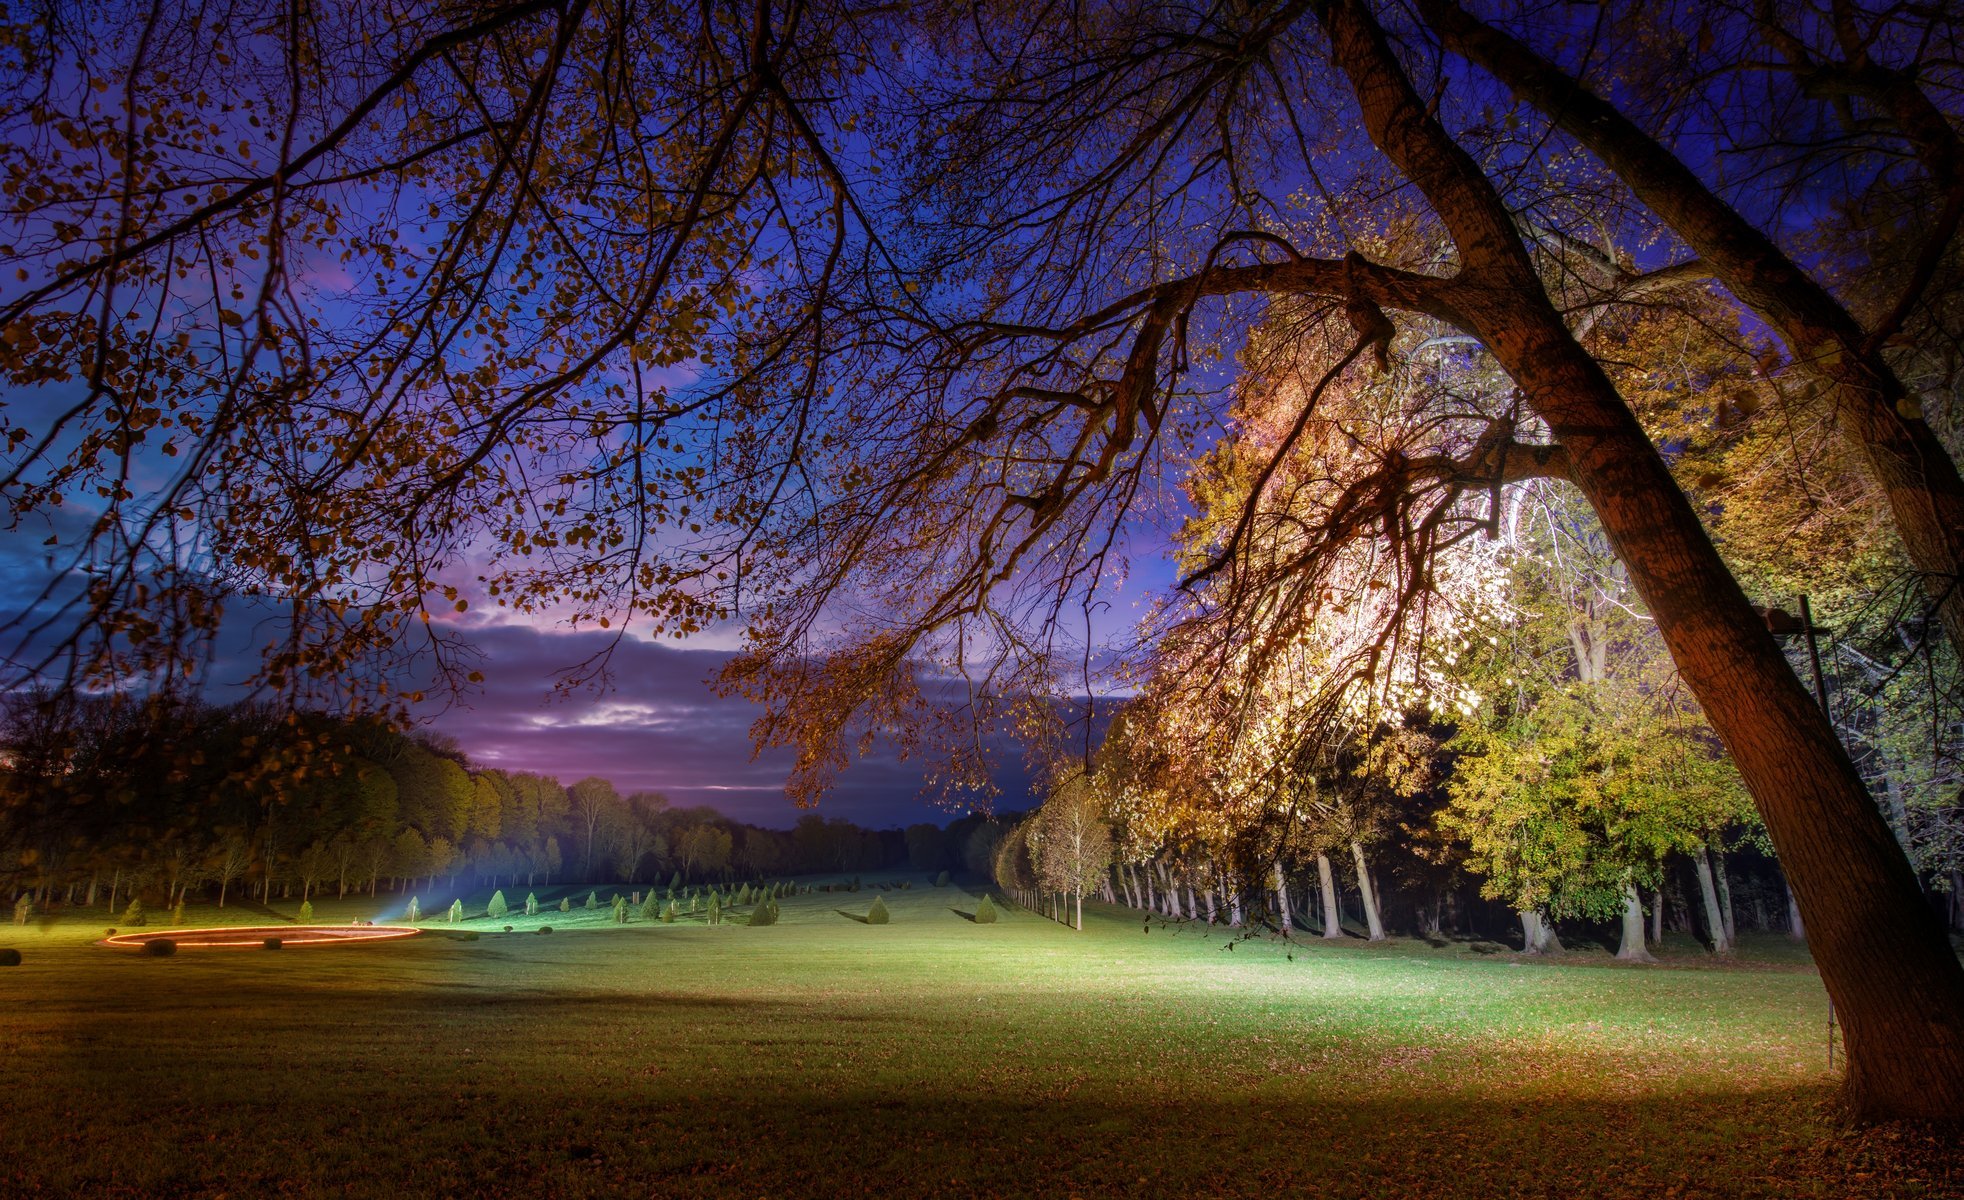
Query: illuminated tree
[[1071, 846]]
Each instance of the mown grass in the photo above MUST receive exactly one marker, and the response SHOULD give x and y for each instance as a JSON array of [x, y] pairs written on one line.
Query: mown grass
[[929, 1057]]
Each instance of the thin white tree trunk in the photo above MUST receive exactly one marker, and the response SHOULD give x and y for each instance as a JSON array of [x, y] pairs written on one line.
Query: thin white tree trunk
[[1282, 899], [1795, 930], [1332, 918], [1372, 920], [1725, 897], [1657, 916], [1721, 944]]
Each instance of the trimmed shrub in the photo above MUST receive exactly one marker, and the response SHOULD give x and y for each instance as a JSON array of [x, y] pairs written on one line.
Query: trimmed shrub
[[941, 880], [272, 944], [743, 894], [651, 907], [133, 915], [715, 910], [507, 929], [877, 915], [497, 907], [160, 947], [592, 900], [414, 912], [9, 957], [668, 914], [620, 911], [985, 912], [545, 929], [306, 910], [565, 904], [675, 881], [764, 914], [456, 911], [531, 905]]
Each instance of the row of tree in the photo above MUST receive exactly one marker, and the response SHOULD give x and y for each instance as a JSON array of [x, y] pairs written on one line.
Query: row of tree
[[101, 798]]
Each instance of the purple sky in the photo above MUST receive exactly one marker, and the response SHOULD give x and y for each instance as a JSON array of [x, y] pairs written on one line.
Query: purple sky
[[661, 727]]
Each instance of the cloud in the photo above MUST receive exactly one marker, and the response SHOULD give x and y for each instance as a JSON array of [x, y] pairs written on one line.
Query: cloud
[[662, 728]]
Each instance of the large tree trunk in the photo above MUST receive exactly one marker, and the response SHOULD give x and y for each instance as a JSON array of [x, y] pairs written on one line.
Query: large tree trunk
[[1631, 948], [1372, 920], [1900, 996], [1282, 900], [1332, 916], [1538, 934], [1714, 920]]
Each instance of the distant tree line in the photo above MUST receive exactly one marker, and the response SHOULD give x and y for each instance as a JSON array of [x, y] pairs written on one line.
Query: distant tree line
[[173, 800]]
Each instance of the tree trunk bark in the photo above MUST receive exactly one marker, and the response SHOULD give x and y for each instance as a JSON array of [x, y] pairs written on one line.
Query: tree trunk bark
[[1714, 920], [1332, 915], [1372, 920], [1282, 900], [1725, 898], [1631, 949], [1657, 916], [1900, 998]]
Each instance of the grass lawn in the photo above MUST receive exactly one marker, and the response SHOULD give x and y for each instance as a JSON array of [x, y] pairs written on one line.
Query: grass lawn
[[929, 1057]]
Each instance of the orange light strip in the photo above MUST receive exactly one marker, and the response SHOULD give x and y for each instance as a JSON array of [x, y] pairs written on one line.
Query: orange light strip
[[248, 937]]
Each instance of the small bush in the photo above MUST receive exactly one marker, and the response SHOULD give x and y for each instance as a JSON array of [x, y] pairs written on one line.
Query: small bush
[[160, 947], [764, 914], [306, 910], [675, 881], [456, 911], [414, 912], [592, 900], [272, 943], [668, 913], [651, 907], [985, 912], [715, 910], [877, 915], [941, 880], [545, 929], [565, 904], [497, 907], [620, 911], [9, 957], [133, 915], [531, 905], [507, 929]]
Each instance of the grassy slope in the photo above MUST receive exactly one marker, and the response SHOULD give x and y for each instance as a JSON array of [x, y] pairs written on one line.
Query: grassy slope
[[928, 1057]]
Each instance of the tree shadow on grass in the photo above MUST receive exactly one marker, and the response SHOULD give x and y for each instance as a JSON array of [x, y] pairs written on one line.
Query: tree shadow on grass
[[852, 916], [966, 916]]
